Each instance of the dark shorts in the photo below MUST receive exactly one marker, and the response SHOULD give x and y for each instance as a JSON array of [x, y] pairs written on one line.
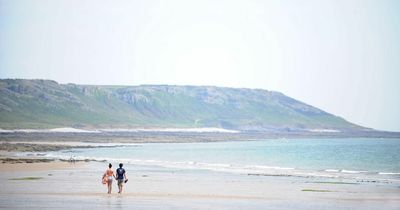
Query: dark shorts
[[120, 181]]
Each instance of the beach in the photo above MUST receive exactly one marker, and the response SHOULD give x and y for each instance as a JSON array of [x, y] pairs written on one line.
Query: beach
[[220, 105], [62, 184]]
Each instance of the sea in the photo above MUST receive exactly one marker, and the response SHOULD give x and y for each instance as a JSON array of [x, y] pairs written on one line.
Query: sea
[[357, 159]]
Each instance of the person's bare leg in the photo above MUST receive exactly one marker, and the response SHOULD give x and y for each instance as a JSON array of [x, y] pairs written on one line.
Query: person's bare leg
[[109, 187], [119, 187]]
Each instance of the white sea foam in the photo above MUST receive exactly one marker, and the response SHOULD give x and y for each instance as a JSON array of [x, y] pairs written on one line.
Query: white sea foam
[[352, 172], [270, 167], [388, 173], [332, 170], [18, 131], [324, 130], [71, 130]]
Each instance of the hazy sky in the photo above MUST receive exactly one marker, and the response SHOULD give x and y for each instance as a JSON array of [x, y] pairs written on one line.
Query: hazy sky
[[340, 56]]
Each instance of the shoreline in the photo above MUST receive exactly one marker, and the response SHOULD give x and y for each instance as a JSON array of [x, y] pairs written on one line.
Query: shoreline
[[17, 162], [42, 182], [32, 184], [35, 152]]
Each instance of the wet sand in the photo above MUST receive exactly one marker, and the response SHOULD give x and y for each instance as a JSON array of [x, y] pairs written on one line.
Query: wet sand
[[37, 166], [67, 185]]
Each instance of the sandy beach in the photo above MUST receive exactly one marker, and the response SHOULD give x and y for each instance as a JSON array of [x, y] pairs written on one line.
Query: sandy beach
[[68, 185], [220, 105]]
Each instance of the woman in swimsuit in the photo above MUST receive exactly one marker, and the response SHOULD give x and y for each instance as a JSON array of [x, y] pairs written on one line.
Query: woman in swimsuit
[[109, 176]]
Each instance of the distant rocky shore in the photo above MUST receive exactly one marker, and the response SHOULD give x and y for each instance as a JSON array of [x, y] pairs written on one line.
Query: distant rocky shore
[[174, 137], [8, 150]]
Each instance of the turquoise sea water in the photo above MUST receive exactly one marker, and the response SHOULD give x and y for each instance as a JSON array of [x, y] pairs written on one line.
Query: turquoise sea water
[[336, 158]]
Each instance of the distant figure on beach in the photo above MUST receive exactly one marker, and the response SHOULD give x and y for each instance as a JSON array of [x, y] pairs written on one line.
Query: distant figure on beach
[[121, 177], [72, 159], [108, 178]]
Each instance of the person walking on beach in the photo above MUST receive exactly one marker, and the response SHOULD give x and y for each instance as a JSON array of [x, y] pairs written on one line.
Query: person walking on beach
[[108, 177], [121, 177]]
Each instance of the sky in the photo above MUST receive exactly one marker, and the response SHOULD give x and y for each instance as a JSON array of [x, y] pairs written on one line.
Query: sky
[[342, 56]]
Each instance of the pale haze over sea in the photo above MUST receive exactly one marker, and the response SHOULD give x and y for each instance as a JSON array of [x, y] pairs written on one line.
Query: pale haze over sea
[[340, 56]]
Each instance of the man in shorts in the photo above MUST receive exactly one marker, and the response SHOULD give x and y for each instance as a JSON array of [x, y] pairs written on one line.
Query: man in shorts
[[121, 177]]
